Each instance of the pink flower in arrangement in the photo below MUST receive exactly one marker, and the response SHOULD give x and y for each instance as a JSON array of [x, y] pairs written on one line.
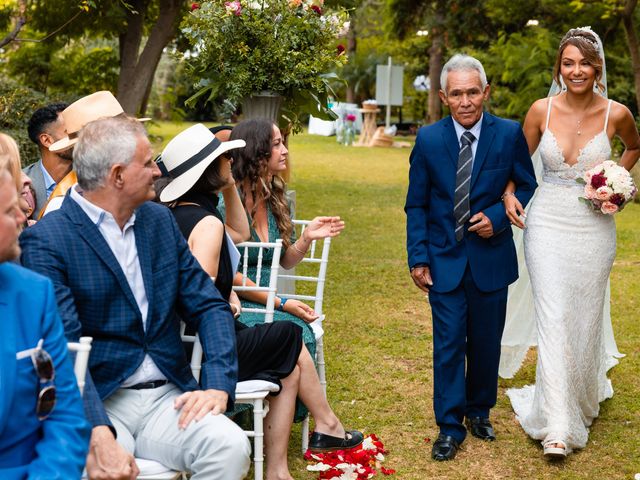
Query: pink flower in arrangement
[[603, 193], [195, 6], [316, 9], [609, 208], [350, 117], [233, 7], [589, 192]]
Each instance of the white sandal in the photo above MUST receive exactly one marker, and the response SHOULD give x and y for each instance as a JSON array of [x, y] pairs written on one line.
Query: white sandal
[[553, 450]]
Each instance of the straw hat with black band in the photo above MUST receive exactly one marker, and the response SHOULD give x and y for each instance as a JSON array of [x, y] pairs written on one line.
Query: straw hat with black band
[[187, 156]]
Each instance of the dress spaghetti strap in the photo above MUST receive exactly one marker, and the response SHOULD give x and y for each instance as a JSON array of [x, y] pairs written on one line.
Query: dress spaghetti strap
[[548, 113], [606, 120]]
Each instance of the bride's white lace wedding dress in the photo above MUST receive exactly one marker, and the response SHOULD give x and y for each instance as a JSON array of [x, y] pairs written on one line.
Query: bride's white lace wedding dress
[[569, 250]]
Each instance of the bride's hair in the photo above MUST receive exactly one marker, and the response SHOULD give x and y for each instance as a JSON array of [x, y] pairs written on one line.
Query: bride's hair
[[587, 43]]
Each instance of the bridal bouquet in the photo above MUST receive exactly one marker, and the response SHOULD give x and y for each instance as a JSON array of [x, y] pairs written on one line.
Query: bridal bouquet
[[608, 187]]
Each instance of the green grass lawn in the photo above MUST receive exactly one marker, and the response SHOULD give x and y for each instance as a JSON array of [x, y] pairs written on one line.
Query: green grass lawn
[[378, 342]]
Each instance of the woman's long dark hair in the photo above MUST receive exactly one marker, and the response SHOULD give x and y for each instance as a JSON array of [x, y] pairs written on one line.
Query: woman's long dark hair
[[250, 170]]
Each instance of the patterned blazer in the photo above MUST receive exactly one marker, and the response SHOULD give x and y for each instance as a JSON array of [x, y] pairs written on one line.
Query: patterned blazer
[[95, 300]]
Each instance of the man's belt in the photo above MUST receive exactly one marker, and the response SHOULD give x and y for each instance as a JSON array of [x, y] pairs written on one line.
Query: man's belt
[[148, 385]]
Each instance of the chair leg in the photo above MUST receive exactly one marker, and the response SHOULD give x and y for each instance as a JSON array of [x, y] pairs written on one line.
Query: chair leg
[[305, 434], [320, 364], [258, 439]]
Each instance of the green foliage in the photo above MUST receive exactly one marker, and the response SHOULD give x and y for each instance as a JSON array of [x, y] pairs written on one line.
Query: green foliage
[[79, 68], [519, 68], [17, 103], [281, 46]]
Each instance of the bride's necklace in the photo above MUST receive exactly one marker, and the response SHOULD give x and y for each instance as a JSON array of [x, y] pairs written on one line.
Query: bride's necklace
[[584, 114]]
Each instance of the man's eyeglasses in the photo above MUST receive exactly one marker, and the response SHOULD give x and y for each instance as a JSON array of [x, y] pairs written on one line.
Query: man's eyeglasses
[[43, 365]]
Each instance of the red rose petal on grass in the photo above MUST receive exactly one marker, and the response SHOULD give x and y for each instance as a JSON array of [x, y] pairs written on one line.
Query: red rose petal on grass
[[426, 439], [387, 471]]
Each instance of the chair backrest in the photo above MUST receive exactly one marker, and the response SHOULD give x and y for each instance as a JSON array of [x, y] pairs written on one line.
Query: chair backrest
[[252, 255], [82, 349], [196, 354], [317, 259]]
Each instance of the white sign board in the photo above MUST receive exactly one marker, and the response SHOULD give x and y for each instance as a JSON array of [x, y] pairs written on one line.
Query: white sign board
[[382, 85]]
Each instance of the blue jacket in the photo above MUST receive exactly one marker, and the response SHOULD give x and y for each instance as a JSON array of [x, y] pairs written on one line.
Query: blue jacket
[[95, 300], [54, 448], [501, 155]]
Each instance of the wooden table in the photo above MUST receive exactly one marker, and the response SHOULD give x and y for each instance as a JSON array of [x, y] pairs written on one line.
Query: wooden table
[[369, 126]]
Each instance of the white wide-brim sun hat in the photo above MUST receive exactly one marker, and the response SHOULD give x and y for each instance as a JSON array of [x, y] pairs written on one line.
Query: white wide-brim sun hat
[[187, 156]]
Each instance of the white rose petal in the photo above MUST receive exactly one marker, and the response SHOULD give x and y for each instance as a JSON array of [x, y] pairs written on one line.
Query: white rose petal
[[318, 467]]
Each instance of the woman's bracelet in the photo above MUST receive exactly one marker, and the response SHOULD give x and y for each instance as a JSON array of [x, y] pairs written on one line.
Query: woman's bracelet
[[295, 247], [281, 306], [506, 194]]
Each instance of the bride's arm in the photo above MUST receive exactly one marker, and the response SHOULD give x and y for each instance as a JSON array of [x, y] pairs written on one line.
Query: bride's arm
[[628, 132], [532, 133]]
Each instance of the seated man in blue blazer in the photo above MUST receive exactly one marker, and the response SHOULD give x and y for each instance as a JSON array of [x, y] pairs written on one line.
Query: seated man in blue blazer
[[123, 274], [460, 247], [39, 438]]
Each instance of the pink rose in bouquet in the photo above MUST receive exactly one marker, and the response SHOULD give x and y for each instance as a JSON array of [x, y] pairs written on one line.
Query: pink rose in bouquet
[[350, 117], [608, 187], [609, 208]]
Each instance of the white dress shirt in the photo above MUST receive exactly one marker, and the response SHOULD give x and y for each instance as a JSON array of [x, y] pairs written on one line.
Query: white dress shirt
[[123, 245], [475, 130]]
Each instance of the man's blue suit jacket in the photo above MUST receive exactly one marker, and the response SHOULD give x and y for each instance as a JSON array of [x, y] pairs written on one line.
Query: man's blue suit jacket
[[501, 155], [54, 448], [95, 300]]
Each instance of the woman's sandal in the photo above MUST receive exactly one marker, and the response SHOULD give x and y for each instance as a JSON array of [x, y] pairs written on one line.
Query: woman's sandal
[[555, 449]]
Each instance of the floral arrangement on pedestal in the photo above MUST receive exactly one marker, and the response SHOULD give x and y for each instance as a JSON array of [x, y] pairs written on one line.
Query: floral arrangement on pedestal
[[284, 47], [346, 129]]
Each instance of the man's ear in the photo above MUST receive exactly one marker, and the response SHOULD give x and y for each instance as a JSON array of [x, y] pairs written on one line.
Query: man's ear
[[487, 92], [116, 175], [46, 140], [443, 97]]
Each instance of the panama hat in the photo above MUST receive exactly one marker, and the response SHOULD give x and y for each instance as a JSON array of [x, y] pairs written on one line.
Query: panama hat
[[187, 156], [87, 109]]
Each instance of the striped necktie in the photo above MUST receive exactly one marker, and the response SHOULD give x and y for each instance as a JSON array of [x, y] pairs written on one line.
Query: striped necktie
[[461, 210]]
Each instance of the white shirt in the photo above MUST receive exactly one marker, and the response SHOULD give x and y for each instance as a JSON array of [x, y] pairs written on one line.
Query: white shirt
[[475, 130], [123, 245]]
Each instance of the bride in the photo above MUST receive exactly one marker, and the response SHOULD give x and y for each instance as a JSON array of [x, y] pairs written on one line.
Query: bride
[[569, 248]]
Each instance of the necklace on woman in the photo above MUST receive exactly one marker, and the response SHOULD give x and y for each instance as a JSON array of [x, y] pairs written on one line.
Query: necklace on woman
[[584, 114]]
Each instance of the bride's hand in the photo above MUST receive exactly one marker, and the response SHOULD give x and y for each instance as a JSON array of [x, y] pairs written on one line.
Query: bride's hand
[[513, 209]]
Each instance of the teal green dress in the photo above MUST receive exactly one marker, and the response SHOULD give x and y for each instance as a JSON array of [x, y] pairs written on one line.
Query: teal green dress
[[249, 318]]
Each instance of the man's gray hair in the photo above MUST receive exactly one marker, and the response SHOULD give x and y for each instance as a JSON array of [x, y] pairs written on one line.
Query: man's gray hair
[[102, 144], [462, 63]]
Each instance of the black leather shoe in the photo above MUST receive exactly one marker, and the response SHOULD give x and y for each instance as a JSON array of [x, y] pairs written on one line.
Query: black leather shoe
[[444, 448], [321, 442], [481, 428]]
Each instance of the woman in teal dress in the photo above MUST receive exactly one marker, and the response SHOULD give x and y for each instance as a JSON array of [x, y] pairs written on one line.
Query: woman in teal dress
[[257, 169]]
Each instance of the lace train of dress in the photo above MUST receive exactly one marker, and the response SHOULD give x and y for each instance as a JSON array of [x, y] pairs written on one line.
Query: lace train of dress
[[569, 250]]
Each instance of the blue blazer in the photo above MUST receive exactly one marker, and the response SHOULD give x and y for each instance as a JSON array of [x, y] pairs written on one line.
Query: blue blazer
[[501, 155], [54, 448], [95, 300]]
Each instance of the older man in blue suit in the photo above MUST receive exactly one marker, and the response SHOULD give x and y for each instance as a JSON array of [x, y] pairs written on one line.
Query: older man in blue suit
[[124, 275], [460, 246], [38, 438]]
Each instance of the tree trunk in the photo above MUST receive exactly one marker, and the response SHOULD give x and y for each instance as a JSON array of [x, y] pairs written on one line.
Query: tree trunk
[[352, 44], [137, 69], [435, 63], [632, 42]]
